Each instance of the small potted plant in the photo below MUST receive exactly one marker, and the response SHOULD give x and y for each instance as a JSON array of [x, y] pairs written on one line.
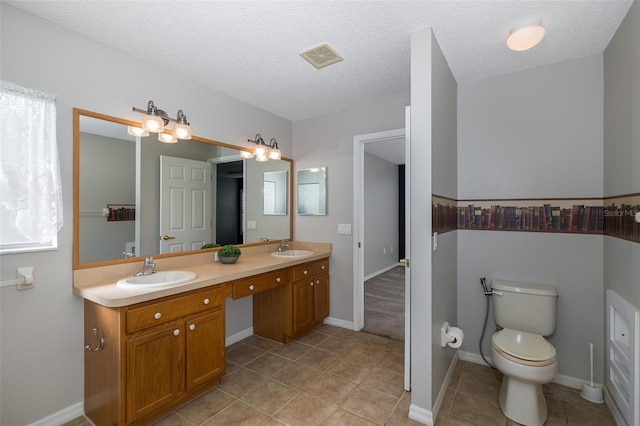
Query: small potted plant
[[229, 254]]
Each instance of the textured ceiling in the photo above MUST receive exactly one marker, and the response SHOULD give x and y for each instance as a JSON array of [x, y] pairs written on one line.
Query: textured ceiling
[[250, 49]]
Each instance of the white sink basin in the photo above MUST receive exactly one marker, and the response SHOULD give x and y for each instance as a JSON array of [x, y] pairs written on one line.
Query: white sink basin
[[158, 279], [292, 253]]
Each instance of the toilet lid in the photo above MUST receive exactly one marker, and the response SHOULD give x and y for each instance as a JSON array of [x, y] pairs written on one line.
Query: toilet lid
[[526, 346]]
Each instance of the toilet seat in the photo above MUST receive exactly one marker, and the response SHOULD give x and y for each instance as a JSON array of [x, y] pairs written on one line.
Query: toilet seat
[[524, 348]]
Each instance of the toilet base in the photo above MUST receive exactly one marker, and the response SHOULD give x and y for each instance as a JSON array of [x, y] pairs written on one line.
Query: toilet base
[[523, 402]]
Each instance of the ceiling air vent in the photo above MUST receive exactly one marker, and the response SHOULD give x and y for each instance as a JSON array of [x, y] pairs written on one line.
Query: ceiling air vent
[[321, 56]]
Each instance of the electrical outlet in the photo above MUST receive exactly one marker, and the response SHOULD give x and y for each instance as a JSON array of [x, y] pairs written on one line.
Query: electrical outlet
[[384, 250], [344, 228], [391, 249]]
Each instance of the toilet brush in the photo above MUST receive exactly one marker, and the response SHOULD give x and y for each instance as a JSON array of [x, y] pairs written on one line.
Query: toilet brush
[[590, 391]]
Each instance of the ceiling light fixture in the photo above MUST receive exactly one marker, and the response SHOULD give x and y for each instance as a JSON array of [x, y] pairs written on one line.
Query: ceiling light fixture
[[155, 119], [264, 152], [525, 36], [137, 131]]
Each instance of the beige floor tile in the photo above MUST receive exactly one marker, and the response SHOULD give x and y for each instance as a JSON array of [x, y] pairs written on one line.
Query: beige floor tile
[[240, 382], [330, 388], [385, 381], [370, 354], [268, 364], [336, 345], [318, 358], [312, 338], [587, 415], [344, 418], [350, 369], [305, 410], [244, 354], [270, 396], [78, 421], [556, 412], [447, 402], [173, 419], [451, 421], [393, 362], [370, 404], [397, 347], [205, 406], [293, 350], [477, 410], [352, 336], [238, 413], [327, 329], [262, 343], [297, 375]]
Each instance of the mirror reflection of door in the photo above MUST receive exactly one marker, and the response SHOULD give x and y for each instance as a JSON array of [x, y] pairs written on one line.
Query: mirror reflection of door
[[229, 203], [185, 204]]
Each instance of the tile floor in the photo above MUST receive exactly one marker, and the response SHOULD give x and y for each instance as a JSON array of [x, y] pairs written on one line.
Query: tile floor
[[334, 376]]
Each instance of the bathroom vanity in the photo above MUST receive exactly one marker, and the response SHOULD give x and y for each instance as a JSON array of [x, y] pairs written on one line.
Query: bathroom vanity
[[151, 350]]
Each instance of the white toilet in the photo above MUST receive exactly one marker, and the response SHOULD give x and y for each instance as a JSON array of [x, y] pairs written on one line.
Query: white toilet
[[527, 361]]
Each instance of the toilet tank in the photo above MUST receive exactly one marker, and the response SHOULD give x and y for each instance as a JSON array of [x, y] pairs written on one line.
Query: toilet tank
[[524, 306]]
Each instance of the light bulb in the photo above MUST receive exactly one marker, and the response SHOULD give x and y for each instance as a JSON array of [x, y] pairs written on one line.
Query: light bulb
[[167, 138], [153, 123], [137, 131], [182, 131]]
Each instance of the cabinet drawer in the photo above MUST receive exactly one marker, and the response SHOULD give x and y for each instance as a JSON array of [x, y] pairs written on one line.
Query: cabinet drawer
[[172, 308], [253, 285], [310, 269]]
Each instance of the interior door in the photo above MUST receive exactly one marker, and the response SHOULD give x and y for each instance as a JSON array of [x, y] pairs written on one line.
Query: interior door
[[185, 204], [407, 250]]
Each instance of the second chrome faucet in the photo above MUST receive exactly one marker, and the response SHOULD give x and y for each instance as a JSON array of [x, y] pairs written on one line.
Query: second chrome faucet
[[148, 268]]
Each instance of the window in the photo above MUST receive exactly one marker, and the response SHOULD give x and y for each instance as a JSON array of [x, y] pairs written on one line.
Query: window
[[30, 188]]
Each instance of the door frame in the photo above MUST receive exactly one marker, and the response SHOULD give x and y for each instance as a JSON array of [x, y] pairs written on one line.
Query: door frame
[[359, 142]]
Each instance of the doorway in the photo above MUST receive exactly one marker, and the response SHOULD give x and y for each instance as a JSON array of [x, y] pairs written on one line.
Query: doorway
[[390, 146]]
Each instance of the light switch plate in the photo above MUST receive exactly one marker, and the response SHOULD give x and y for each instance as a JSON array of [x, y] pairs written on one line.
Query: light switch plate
[[344, 228], [251, 224]]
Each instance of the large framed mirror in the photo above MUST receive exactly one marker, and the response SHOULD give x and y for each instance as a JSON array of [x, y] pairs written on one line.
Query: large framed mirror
[[136, 196]]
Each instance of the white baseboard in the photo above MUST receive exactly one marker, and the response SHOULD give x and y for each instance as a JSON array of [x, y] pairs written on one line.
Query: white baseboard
[[420, 415], [63, 416], [381, 271], [443, 388], [560, 379], [339, 323], [234, 338]]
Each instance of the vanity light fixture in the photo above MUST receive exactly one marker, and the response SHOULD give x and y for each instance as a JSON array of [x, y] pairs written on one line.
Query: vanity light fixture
[[264, 152], [525, 35], [155, 119]]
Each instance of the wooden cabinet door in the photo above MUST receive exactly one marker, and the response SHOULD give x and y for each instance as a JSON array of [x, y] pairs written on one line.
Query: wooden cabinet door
[[302, 305], [204, 348], [155, 373], [321, 298]]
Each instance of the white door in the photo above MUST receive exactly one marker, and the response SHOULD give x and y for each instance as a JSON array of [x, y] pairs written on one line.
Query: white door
[[407, 250], [185, 205]]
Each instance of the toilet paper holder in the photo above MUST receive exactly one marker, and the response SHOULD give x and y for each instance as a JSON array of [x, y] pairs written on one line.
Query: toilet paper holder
[[445, 338]]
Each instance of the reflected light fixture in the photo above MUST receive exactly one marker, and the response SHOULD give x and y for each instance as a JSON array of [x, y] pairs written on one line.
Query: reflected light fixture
[[155, 120], [525, 36], [262, 151], [137, 131]]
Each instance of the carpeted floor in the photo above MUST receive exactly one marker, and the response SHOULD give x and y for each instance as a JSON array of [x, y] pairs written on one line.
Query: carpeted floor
[[384, 304]]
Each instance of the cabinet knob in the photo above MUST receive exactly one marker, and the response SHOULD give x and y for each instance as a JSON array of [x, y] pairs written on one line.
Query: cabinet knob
[[305, 272], [157, 315], [322, 267], [206, 301], [192, 327], [176, 332], [278, 279], [311, 283], [318, 282], [251, 287]]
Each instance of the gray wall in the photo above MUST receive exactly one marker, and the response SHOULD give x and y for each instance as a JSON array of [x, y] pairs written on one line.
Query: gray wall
[[380, 214], [327, 140], [41, 337], [622, 149], [535, 133], [444, 182]]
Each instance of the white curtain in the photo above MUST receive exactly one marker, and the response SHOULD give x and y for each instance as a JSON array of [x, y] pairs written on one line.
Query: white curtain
[[29, 168]]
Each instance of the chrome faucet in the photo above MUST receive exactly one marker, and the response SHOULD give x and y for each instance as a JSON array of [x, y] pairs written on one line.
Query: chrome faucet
[[283, 246], [148, 268]]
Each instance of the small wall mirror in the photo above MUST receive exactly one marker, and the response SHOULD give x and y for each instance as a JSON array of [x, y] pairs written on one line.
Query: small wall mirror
[[312, 191], [274, 193]]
